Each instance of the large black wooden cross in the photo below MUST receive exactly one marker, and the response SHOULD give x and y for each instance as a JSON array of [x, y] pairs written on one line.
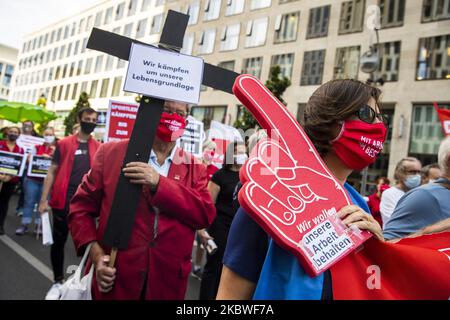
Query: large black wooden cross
[[123, 210]]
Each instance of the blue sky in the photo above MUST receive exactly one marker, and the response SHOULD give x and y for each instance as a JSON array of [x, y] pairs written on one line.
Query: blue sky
[[20, 17]]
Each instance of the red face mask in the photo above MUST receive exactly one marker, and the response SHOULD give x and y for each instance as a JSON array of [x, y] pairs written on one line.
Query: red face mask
[[171, 127], [359, 143]]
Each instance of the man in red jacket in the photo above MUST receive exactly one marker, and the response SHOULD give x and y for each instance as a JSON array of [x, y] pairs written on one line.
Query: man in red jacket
[[72, 159], [174, 203]]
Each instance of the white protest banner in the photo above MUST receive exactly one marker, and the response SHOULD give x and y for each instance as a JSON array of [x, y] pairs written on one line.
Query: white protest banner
[[164, 74], [193, 137], [222, 135], [38, 166], [120, 120], [12, 163], [27, 143]]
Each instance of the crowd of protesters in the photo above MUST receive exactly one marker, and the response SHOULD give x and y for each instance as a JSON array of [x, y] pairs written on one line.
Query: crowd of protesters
[[184, 198]]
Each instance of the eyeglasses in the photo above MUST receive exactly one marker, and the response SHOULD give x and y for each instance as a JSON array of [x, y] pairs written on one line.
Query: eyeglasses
[[368, 115], [180, 113], [413, 172]]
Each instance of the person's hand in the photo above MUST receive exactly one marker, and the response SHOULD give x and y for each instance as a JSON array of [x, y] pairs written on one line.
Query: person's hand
[[103, 273], [352, 215], [204, 236], [43, 207], [142, 173]]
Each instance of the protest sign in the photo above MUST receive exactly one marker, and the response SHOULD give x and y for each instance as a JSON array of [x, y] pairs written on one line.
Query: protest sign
[[27, 143], [222, 135], [12, 163], [38, 166], [288, 189], [444, 117], [192, 139], [164, 74], [120, 120]]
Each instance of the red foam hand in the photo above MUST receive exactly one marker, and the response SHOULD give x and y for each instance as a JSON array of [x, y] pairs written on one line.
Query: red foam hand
[[288, 189]]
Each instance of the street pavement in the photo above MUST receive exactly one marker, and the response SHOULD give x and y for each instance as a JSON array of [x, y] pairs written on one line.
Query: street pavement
[[25, 269]]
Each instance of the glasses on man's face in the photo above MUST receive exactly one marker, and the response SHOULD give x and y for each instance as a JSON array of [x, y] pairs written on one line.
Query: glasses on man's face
[[180, 113], [412, 172], [368, 115]]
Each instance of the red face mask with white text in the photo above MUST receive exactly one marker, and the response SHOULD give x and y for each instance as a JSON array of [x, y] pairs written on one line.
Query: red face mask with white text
[[359, 143], [171, 127]]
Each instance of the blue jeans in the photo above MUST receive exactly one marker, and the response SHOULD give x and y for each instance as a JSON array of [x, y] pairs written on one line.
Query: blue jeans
[[32, 196]]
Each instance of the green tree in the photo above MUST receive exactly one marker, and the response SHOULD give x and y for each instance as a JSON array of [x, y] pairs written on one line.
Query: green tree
[[71, 119], [277, 85]]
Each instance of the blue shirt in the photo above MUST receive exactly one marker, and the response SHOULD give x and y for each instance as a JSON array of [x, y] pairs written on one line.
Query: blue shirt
[[165, 167], [279, 272], [419, 208]]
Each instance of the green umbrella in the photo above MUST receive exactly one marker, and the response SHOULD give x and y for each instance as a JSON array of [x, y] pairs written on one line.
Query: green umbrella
[[20, 111]]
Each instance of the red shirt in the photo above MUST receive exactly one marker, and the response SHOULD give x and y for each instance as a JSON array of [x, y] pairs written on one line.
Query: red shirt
[[16, 149], [210, 170], [374, 206]]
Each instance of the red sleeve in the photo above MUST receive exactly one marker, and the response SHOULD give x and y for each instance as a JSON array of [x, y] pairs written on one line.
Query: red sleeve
[[85, 205], [191, 205]]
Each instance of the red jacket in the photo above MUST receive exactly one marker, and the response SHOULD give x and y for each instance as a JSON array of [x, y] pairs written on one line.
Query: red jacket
[[67, 148], [17, 149], [185, 205]]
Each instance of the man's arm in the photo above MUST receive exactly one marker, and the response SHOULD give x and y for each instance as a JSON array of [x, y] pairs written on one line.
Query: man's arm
[[191, 205], [48, 184]]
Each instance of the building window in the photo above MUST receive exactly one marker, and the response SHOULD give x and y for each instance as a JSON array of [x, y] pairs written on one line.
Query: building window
[[206, 41], [193, 11], [392, 13], [79, 67], [352, 16], [109, 63], [318, 22], [73, 29], [60, 92], [146, 5], [234, 7], [433, 60], [104, 88], [286, 27], [9, 70], [62, 51], [140, 31], [83, 47], [207, 114], [98, 64], [72, 69], [69, 50], [255, 34], [426, 130], [346, 63], [188, 44], [132, 6], [66, 96], [434, 10], [93, 91], [156, 24], [127, 30], [89, 23], [108, 15], [80, 27], [312, 69], [66, 32], [64, 73], [120, 10], [285, 62], [252, 66], [74, 92], [229, 65], [259, 4], [84, 87], [116, 86], [87, 66], [98, 19], [230, 37], [389, 60], [57, 72], [212, 10]]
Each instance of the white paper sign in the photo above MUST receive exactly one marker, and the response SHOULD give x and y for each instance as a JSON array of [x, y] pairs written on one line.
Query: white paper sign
[[47, 237], [193, 137], [27, 142], [164, 74]]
